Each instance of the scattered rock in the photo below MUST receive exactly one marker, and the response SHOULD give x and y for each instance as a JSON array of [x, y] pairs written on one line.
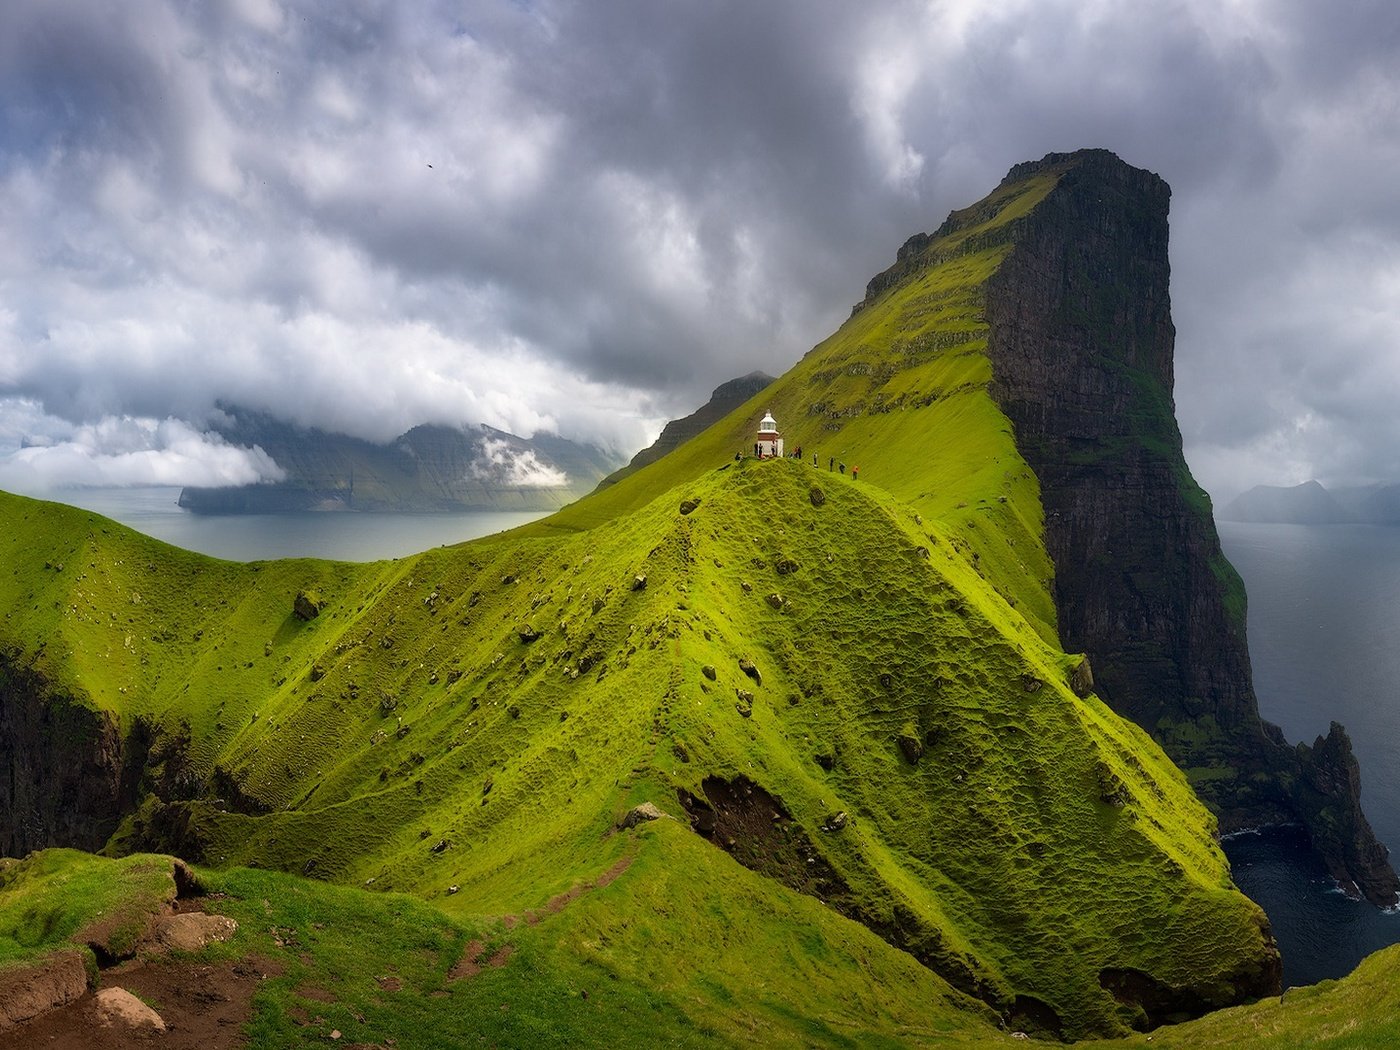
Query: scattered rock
[[784, 566], [922, 552], [688, 505], [641, 814], [887, 681], [747, 666], [1030, 683], [118, 1008], [508, 579], [776, 600], [816, 495], [527, 634], [836, 821], [826, 761], [597, 606], [441, 846], [912, 746], [746, 586], [1081, 679], [317, 672], [709, 672], [307, 605], [189, 932], [744, 704], [639, 582]]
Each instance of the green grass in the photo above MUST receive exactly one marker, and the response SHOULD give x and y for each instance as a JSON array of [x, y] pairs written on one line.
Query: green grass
[[50, 899], [481, 716]]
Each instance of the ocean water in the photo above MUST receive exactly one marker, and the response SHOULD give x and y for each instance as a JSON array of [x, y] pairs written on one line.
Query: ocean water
[[1324, 640], [361, 536]]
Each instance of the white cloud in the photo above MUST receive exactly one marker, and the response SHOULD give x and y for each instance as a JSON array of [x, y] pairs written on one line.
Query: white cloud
[[126, 451], [499, 463]]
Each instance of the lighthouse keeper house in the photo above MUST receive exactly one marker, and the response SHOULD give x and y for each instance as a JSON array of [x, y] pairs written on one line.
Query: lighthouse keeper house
[[770, 442]]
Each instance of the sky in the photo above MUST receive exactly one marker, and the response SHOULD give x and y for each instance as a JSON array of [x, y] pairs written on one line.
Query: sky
[[582, 217]]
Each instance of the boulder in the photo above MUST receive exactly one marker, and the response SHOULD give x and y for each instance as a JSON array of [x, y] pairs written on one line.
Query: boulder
[[307, 605], [118, 1008], [912, 746], [688, 505], [189, 932], [743, 702], [776, 600], [640, 815], [1081, 679], [747, 666], [816, 495], [784, 566], [709, 672], [639, 582]]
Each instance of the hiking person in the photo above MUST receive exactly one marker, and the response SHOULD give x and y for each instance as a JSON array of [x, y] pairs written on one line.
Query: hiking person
[[855, 473]]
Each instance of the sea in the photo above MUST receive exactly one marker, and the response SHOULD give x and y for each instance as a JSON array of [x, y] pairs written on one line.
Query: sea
[[345, 536], [1324, 637], [1324, 640]]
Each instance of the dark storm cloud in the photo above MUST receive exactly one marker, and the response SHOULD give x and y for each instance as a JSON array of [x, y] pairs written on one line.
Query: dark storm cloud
[[583, 216]]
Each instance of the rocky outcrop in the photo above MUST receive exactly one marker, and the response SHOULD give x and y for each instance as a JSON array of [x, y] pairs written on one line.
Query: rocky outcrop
[[725, 399], [61, 767], [1081, 342]]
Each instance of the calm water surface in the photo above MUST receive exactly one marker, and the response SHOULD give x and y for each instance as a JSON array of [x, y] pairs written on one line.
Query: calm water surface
[[361, 536], [1324, 639]]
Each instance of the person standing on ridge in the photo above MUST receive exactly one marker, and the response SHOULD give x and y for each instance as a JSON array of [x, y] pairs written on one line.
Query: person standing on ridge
[[855, 473]]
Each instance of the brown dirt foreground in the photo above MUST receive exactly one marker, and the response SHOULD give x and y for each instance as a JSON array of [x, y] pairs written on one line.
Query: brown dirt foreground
[[204, 1007]]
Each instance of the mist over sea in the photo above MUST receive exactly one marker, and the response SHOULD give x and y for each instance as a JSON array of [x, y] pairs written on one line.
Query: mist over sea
[[358, 536], [1324, 639]]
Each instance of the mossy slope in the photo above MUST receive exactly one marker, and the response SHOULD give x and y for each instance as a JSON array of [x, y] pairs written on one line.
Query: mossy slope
[[480, 717]]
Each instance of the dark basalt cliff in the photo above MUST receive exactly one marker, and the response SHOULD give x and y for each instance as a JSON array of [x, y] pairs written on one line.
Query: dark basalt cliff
[[62, 767], [1081, 341]]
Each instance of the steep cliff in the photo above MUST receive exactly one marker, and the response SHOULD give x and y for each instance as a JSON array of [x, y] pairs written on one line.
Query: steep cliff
[[429, 468], [1081, 342]]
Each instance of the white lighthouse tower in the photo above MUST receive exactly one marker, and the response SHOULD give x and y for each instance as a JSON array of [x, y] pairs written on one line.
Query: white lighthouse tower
[[770, 442]]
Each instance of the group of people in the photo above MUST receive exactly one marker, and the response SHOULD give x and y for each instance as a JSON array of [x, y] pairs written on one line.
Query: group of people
[[796, 453]]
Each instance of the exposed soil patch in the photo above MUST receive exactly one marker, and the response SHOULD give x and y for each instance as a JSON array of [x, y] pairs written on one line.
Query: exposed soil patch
[[316, 995], [390, 984], [756, 829], [468, 965], [204, 1007]]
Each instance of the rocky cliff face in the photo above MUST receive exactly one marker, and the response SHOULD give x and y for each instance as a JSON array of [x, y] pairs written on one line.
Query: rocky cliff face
[[725, 399], [429, 468], [62, 768], [1081, 341]]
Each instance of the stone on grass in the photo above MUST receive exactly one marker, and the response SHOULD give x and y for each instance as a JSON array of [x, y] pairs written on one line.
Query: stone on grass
[[307, 605], [640, 815]]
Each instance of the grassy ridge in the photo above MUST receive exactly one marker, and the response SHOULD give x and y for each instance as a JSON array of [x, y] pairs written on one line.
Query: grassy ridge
[[469, 724], [1030, 846]]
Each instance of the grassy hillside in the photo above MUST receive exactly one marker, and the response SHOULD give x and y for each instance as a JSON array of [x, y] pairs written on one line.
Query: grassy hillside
[[852, 689], [411, 738]]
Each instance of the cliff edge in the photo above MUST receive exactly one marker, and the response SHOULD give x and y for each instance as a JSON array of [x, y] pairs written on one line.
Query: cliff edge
[[1081, 341]]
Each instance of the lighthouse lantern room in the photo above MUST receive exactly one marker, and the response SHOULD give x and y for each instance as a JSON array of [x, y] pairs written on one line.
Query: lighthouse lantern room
[[770, 442]]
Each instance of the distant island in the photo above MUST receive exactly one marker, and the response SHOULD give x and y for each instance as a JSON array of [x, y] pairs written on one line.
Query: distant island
[[429, 468], [1312, 504]]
